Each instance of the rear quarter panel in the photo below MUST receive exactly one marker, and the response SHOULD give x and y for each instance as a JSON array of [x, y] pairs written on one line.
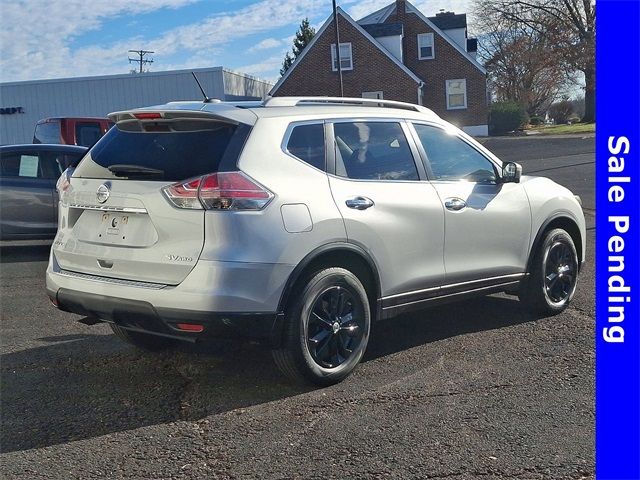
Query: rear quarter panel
[[261, 236]]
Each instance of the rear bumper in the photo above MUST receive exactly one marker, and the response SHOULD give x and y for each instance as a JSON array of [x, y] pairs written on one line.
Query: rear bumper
[[225, 298], [142, 316]]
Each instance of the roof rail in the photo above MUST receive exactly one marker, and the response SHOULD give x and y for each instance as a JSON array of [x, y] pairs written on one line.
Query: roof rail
[[355, 101]]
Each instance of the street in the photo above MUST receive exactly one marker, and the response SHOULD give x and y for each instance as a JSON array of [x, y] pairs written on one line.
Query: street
[[478, 389]]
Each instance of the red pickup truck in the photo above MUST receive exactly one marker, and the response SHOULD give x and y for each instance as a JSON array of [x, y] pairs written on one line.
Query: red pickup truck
[[71, 130]]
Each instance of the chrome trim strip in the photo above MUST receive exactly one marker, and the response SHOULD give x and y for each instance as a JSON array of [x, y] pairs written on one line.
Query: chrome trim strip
[[107, 208], [116, 281], [416, 303], [513, 276], [444, 290]]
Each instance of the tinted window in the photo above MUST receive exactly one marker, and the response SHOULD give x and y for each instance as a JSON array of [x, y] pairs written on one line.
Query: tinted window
[[206, 147], [52, 164], [453, 159], [20, 165], [373, 151], [87, 134], [48, 132], [307, 143]]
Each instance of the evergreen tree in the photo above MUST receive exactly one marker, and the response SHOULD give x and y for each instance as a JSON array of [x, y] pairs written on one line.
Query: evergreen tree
[[303, 37]]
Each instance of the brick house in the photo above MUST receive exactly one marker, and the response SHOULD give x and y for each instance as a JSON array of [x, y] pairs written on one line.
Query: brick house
[[397, 53]]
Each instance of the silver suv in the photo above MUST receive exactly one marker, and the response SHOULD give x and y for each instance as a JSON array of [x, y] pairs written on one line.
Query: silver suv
[[300, 221]]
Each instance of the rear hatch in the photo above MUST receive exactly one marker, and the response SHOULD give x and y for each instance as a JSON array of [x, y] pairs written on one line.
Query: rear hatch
[[115, 219]]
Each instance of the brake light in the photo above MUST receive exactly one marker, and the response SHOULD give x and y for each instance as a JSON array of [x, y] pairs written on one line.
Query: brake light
[[219, 191], [147, 115]]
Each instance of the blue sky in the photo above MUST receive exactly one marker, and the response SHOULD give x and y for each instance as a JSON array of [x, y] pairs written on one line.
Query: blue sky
[[70, 38]]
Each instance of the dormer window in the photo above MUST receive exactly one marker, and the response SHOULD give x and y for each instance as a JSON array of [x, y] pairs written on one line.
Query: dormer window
[[346, 59], [425, 46]]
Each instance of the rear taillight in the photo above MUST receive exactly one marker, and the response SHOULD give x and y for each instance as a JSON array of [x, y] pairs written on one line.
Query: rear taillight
[[219, 191], [64, 181]]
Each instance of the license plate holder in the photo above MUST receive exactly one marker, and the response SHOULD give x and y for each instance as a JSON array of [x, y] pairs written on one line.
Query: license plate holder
[[113, 225]]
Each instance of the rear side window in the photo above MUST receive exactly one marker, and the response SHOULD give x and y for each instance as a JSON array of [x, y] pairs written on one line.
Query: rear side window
[[87, 133], [167, 155], [47, 132], [373, 151], [306, 142]]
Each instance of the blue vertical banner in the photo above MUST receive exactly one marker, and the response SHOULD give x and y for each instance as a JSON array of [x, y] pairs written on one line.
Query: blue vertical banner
[[617, 239]]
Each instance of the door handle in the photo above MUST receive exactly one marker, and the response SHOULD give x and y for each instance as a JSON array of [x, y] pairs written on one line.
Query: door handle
[[359, 203], [455, 204]]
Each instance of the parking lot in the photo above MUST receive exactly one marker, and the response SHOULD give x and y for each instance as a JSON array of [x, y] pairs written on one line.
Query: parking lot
[[480, 389]]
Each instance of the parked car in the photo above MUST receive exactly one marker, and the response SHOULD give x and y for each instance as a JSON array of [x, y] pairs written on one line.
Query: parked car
[[28, 200], [301, 221], [71, 130]]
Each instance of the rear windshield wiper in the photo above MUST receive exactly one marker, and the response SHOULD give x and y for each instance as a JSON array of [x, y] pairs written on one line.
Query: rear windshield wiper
[[121, 170]]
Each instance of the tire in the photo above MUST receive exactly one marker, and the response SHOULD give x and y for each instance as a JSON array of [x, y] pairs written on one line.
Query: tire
[[144, 341], [554, 273], [326, 330]]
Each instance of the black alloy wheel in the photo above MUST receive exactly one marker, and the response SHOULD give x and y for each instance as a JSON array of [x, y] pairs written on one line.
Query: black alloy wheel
[[334, 326]]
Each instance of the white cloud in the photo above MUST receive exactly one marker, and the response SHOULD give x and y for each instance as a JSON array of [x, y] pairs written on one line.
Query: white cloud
[[266, 44], [264, 69], [41, 52]]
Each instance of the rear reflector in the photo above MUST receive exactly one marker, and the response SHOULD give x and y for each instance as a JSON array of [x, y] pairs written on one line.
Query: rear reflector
[[190, 327], [219, 191], [147, 115]]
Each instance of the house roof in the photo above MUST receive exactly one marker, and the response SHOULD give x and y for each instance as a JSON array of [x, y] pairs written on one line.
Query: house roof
[[361, 30], [383, 29], [449, 20], [379, 16]]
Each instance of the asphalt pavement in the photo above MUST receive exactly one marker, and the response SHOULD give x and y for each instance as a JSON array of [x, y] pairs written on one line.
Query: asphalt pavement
[[479, 389]]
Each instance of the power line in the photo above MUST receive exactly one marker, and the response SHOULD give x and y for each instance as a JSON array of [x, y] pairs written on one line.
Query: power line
[[141, 60]]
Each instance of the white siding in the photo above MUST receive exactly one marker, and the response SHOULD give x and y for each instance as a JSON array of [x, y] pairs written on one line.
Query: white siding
[[393, 44], [98, 96], [459, 36]]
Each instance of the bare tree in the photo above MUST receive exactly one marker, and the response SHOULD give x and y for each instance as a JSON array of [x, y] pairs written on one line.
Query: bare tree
[[569, 25], [517, 58]]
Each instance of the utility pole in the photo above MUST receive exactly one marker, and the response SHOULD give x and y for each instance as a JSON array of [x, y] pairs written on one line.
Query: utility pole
[[335, 21], [141, 60]]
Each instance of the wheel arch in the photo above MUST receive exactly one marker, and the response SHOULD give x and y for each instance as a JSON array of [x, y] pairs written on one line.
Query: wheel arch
[[337, 254], [568, 224]]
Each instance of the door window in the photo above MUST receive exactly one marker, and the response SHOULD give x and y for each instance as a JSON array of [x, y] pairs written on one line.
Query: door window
[[452, 159], [373, 151], [20, 165]]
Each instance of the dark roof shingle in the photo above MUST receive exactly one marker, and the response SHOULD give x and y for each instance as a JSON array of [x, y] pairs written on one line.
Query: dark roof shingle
[[449, 20], [383, 29]]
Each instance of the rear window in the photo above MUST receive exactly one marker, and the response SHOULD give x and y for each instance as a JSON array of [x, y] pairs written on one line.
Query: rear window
[[48, 132], [207, 147], [87, 133]]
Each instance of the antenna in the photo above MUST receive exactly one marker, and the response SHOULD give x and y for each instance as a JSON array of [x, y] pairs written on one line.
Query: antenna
[[142, 61], [206, 99]]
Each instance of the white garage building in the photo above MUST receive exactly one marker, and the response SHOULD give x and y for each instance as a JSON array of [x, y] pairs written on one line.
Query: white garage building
[[22, 104]]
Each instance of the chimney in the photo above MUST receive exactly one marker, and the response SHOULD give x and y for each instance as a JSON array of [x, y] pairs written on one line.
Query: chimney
[[401, 7]]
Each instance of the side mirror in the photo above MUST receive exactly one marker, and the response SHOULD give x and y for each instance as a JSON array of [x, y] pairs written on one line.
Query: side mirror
[[511, 172]]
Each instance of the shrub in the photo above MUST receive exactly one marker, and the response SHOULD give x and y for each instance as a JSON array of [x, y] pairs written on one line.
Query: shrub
[[561, 111], [535, 120], [505, 117]]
